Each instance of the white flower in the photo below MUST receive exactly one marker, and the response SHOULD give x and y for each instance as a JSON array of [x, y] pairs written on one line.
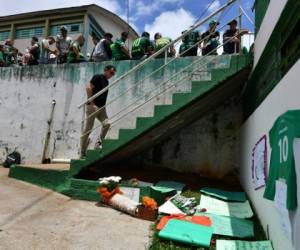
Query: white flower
[[107, 180], [115, 178]]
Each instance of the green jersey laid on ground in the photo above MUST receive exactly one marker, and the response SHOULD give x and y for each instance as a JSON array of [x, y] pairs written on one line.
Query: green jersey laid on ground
[[116, 49], [140, 47], [282, 164]]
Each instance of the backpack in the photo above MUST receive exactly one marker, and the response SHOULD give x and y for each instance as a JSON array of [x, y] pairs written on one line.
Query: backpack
[[13, 158]]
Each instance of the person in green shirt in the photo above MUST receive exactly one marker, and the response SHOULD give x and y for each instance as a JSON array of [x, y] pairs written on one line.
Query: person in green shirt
[[2, 59], [74, 54], [141, 47], [119, 49], [282, 164], [188, 46], [10, 53], [161, 42]]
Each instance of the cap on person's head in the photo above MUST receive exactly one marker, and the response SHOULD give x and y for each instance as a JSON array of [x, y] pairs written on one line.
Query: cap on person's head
[[124, 34], [232, 22], [109, 35], [63, 28], [145, 34], [213, 22], [34, 38], [157, 35], [51, 38], [95, 37]]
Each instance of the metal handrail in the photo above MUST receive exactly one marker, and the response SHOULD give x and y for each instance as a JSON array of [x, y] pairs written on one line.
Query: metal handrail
[[184, 69], [152, 73], [192, 28]]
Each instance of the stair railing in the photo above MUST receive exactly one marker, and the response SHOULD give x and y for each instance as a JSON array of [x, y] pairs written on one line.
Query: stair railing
[[201, 66], [155, 71], [165, 48]]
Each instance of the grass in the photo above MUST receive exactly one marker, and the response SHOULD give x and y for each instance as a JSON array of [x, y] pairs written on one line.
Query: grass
[[159, 244]]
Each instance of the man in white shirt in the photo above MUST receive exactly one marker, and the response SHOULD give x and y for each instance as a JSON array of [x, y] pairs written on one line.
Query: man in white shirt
[[63, 42], [102, 51]]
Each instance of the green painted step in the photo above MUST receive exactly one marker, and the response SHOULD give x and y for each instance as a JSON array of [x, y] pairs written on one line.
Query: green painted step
[[56, 180], [162, 112]]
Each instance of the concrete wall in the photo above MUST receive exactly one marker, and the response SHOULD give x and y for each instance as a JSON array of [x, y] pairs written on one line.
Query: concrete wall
[[285, 96], [208, 147], [271, 17], [26, 94], [108, 24]]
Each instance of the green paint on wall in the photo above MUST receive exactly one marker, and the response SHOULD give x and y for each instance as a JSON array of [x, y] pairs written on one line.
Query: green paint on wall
[[260, 7], [268, 71]]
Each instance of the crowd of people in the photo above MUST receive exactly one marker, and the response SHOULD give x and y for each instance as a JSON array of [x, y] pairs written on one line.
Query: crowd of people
[[67, 50]]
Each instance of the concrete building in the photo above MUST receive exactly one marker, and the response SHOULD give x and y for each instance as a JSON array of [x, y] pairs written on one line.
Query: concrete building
[[85, 19], [272, 89], [206, 126]]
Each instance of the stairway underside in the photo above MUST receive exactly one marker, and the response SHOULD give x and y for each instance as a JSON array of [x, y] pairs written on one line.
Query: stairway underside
[[188, 114], [167, 119], [186, 108]]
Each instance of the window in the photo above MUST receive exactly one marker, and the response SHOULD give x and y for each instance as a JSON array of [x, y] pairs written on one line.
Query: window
[[75, 28], [4, 35], [94, 31], [72, 28], [30, 32]]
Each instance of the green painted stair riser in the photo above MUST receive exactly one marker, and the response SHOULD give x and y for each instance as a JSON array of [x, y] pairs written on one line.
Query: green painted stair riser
[[161, 112]]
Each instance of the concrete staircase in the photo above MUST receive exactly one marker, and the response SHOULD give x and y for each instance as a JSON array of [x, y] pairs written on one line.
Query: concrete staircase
[[163, 116], [168, 117]]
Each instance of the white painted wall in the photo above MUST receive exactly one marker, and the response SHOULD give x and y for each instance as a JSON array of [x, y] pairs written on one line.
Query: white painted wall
[[285, 96], [108, 24]]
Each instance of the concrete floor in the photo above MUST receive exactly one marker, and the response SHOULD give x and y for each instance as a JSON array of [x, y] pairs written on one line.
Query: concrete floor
[[36, 218]]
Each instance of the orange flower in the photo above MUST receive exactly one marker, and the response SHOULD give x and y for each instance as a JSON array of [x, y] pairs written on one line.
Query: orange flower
[[106, 195], [149, 202]]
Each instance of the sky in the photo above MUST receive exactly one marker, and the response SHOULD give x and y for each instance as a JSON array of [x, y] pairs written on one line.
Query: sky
[[169, 17]]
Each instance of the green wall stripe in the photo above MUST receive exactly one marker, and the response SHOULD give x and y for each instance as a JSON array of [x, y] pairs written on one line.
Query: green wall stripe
[[269, 71]]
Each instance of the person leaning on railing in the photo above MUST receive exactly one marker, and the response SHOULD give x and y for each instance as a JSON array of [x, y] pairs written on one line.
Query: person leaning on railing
[[74, 54], [188, 47], [11, 53], [96, 108], [141, 47], [119, 49], [32, 55], [46, 51], [102, 51], [63, 43], [234, 35], [161, 42], [2, 59], [211, 39]]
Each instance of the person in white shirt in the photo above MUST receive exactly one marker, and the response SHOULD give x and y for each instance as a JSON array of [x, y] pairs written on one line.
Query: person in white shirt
[[63, 43], [46, 51], [102, 50]]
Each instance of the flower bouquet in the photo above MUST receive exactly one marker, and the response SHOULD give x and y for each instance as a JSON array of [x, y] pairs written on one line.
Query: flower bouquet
[[109, 186], [148, 209], [112, 195]]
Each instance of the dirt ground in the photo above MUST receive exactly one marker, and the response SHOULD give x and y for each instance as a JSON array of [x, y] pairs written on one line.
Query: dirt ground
[[36, 218]]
